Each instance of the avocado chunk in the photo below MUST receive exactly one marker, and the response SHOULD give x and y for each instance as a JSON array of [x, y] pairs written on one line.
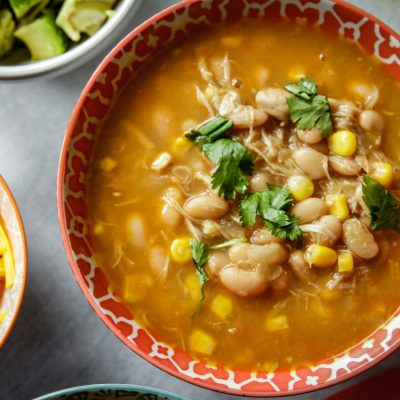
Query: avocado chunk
[[22, 7], [7, 27], [83, 16], [42, 37]]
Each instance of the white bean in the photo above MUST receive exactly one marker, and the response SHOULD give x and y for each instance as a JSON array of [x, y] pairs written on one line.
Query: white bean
[[346, 166], [313, 163], [309, 210], [170, 216], [310, 136], [274, 102], [264, 236], [158, 261], [238, 252], [137, 230], [206, 206], [244, 282], [267, 254], [300, 268], [371, 121], [331, 229], [258, 182], [216, 261], [245, 117], [359, 240]]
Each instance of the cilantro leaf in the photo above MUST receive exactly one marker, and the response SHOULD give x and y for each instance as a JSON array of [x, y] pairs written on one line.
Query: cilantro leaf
[[248, 209], [306, 89], [307, 108], [272, 205], [209, 131], [199, 254], [383, 207], [307, 114], [235, 162]]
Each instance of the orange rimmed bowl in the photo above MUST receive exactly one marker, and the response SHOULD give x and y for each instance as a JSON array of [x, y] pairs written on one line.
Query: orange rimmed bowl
[[114, 73], [11, 299]]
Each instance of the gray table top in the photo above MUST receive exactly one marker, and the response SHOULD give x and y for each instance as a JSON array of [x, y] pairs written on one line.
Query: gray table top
[[58, 341]]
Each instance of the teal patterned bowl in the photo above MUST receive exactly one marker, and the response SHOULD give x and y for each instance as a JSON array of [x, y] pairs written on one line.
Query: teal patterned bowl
[[110, 392]]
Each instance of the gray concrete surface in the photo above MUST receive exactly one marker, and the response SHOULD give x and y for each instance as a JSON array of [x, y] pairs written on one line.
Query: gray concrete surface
[[58, 341]]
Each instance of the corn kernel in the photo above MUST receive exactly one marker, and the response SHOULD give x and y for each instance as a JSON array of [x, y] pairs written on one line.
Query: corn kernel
[[343, 143], [180, 250], [9, 269], [345, 262], [320, 256], [383, 173], [181, 145], [300, 187], [337, 204], [276, 323], [202, 342], [107, 164], [3, 315], [222, 306], [7, 258], [193, 286], [135, 287], [98, 229]]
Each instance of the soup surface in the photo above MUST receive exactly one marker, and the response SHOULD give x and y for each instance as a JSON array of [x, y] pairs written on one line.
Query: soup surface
[[269, 302]]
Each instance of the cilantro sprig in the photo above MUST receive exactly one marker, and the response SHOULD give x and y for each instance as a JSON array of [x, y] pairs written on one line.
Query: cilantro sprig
[[273, 206], [199, 254], [210, 131], [383, 207], [234, 163], [307, 108]]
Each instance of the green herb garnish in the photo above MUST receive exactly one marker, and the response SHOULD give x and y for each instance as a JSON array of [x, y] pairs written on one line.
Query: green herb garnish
[[235, 162], [210, 131], [229, 243], [383, 207], [307, 108], [273, 206], [199, 254]]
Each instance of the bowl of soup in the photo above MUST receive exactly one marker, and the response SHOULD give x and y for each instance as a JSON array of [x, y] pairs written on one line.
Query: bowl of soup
[[13, 261], [111, 392], [228, 193]]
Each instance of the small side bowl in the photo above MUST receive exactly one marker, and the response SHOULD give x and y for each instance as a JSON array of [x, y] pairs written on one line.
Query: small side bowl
[[12, 298], [111, 392], [78, 54]]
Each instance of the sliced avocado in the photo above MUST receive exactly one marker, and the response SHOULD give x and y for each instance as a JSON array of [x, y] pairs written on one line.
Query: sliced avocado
[[7, 27], [34, 12], [42, 37], [83, 16], [22, 7]]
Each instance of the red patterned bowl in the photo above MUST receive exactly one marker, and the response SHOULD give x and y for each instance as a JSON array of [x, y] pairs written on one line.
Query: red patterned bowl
[[11, 299], [118, 68]]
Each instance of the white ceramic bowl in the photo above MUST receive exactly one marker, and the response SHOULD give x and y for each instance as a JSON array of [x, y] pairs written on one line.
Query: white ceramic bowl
[[79, 53]]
